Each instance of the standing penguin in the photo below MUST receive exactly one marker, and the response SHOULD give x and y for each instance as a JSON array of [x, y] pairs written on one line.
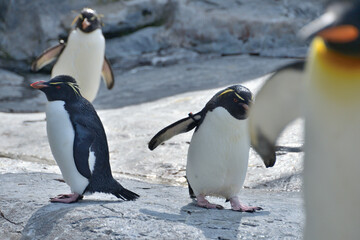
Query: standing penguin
[[325, 90], [82, 57], [78, 141], [219, 150]]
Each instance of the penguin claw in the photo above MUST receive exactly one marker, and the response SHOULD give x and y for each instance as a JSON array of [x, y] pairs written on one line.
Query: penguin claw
[[202, 202], [237, 206], [211, 206], [248, 209], [67, 198]]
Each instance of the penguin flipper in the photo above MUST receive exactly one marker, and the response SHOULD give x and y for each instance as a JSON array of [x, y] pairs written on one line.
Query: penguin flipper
[[276, 105], [107, 74], [48, 56], [181, 126], [82, 144]]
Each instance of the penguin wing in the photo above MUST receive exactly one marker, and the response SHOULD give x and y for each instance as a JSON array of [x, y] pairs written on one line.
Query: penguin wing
[[48, 56], [181, 126], [107, 74], [84, 137], [276, 105]]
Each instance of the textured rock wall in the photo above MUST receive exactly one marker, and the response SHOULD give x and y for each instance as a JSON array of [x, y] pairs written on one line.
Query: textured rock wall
[[158, 32]]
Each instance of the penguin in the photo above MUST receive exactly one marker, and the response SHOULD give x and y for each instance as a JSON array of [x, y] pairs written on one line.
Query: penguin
[[78, 142], [82, 57], [218, 154], [324, 89]]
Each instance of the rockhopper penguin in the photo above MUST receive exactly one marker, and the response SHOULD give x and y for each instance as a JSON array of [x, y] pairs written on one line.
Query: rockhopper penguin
[[82, 57], [78, 141], [325, 89], [219, 150]]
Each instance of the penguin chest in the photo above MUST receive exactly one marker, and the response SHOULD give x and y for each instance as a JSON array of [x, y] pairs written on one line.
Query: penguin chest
[[218, 155], [83, 58], [331, 164], [61, 136]]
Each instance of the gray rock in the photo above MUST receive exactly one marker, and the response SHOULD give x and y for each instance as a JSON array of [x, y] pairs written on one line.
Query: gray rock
[[162, 212], [10, 85], [138, 31], [149, 100], [234, 27]]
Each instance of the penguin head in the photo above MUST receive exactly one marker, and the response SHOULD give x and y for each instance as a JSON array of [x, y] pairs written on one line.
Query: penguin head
[[235, 99], [88, 20], [61, 87], [339, 27]]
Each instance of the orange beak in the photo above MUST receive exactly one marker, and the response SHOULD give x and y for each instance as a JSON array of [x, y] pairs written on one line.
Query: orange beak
[[340, 34], [85, 24], [38, 85]]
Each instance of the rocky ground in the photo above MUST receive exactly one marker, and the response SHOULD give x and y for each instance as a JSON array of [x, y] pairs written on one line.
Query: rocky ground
[[169, 58], [153, 98]]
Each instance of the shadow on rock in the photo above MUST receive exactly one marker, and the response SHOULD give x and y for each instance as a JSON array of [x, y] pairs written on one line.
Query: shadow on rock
[[42, 223], [213, 223]]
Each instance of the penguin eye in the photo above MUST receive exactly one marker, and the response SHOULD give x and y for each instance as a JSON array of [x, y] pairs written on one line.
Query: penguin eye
[[58, 87], [235, 100]]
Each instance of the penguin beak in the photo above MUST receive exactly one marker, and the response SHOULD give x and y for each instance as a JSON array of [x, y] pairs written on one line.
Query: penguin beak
[[39, 85], [331, 28], [246, 107], [325, 21], [85, 24]]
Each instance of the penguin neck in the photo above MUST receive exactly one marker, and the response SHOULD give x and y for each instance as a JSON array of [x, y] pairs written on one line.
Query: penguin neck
[[331, 59], [223, 120], [94, 34], [332, 76], [69, 99]]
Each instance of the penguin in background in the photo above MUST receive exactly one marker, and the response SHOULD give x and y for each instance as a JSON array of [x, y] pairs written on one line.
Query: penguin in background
[[82, 57], [78, 142], [325, 90], [218, 154]]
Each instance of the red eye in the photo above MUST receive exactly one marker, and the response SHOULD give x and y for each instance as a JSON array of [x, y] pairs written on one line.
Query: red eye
[[235, 100], [58, 87]]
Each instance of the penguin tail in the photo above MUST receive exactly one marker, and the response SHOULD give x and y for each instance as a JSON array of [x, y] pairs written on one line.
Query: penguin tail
[[124, 194]]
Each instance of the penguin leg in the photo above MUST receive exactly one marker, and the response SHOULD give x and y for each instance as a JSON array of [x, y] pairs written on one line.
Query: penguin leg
[[191, 191], [67, 198], [202, 202], [237, 206]]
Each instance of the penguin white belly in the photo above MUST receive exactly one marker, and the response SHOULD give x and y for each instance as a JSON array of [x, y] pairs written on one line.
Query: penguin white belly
[[83, 58], [218, 155], [331, 164], [61, 138]]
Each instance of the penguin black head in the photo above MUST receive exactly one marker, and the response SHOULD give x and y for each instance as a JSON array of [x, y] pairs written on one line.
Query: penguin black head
[[88, 20], [339, 27], [61, 87], [235, 99]]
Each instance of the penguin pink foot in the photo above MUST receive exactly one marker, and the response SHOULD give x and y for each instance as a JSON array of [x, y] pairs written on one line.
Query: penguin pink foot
[[237, 206], [202, 202], [67, 198]]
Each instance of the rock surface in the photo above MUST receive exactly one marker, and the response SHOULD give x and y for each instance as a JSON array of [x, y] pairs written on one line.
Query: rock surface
[[149, 99], [141, 31], [162, 212], [166, 59]]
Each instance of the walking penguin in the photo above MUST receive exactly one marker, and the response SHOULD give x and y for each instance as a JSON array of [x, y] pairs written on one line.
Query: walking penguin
[[218, 154], [78, 141]]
